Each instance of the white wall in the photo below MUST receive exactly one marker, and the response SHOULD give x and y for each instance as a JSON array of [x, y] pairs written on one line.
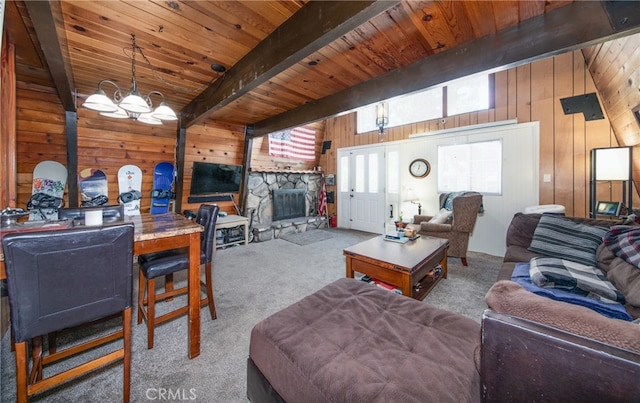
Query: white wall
[[520, 144], [520, 148]]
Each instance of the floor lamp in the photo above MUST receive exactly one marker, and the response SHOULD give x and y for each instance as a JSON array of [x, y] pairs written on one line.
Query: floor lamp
[[611, 164]]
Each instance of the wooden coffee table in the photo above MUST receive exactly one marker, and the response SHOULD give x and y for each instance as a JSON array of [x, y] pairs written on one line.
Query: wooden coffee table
[[404, 265]]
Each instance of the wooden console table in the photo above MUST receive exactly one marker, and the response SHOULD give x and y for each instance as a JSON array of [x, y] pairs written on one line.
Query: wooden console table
[[232, 221]]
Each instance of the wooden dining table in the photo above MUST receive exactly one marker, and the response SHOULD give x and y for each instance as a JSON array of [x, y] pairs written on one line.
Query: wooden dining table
[[153, 233]]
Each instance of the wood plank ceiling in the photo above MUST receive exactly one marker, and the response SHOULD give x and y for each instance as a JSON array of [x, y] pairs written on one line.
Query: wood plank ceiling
[[291, 62]]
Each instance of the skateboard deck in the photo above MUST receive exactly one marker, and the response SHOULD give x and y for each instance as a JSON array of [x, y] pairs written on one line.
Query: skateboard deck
[[47, 189], [130, 186], [161, 194], [94, 188]]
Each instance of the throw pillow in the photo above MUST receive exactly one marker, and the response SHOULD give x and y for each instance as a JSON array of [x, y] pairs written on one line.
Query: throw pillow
[[574, 277], [442, 217], [564, 239]]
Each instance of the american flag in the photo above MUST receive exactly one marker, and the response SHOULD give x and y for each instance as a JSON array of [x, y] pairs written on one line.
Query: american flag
[[297, 143], [322, 200]]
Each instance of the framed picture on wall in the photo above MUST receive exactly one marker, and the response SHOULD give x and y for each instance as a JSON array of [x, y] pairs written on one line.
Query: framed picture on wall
[[330, 180]]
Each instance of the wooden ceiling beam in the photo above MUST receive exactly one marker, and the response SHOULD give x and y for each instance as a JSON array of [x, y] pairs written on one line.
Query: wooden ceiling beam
[[565, 29], [314, 26], [44, 15]]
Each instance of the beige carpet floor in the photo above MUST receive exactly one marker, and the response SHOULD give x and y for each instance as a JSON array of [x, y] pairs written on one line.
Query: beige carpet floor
[[251, 282]]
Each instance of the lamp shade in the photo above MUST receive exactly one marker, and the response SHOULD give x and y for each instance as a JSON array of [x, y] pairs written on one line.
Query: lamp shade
[[612, 164], [134, 103], [410, 195], [149, 119], [118, 114], [164, 112], [100, 102]]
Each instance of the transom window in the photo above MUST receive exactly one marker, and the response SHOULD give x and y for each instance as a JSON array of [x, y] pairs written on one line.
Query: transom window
[[462, 96]]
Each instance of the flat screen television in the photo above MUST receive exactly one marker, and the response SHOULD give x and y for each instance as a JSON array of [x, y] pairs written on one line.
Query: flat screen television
[[209, 178]]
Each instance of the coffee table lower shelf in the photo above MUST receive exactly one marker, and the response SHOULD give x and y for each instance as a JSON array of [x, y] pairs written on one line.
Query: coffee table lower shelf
[[424, 286]]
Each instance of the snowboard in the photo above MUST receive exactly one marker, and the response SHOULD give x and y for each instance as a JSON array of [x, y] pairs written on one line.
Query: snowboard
[[47, 189], [161, 194], [94, 188], [129, 187]]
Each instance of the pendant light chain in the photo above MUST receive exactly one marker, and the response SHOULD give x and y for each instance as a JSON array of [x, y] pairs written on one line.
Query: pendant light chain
[[133, 62]]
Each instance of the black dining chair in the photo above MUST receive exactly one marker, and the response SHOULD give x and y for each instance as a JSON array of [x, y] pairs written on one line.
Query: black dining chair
[[166, 263], [62, 279]]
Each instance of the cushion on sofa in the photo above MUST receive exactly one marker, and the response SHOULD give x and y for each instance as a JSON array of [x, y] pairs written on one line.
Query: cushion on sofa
[[510, 298], [574, 277], [442, 217], [624, 276], [566, 239], [352, 342], [521, 228]]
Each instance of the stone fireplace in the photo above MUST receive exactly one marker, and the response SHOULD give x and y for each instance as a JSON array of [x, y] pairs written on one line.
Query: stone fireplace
[[284, 201]]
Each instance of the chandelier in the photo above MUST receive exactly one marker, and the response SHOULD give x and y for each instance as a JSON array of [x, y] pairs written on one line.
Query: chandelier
[[133, 105]]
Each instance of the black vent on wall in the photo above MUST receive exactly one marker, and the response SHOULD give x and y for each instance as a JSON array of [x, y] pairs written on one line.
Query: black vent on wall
[[326, 145]]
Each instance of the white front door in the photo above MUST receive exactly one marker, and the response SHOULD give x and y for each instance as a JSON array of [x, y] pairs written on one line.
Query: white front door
[[362, 193]]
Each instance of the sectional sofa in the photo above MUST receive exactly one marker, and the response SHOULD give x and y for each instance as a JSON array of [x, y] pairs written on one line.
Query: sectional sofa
[[353, 342]]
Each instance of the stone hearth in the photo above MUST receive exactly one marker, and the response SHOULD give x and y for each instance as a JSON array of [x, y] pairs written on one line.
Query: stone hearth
[[260, 198]]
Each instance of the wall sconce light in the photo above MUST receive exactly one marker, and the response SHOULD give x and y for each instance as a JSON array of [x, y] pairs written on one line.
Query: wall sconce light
[[413, 199], [382, 116]]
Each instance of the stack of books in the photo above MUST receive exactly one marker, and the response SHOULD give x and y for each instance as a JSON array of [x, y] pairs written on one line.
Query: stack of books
[[381, 284]]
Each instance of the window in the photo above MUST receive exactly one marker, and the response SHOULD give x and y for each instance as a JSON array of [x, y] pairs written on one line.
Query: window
[[468, 95], [472, 166], [463, 96]]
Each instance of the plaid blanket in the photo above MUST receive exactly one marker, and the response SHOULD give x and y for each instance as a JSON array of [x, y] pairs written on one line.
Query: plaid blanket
[[574, 277], [624, 242]]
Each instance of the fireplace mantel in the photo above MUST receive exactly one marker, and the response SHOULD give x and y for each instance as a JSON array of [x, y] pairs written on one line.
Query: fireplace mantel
[[284, 171]]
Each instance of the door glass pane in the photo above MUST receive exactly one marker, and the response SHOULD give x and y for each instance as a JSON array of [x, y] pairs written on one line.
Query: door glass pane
[[393, 169], [344, 174], [373, 173], [359, 174]]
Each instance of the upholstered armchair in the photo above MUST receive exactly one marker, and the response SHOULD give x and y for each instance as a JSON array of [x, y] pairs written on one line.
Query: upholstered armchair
[[458, 227]]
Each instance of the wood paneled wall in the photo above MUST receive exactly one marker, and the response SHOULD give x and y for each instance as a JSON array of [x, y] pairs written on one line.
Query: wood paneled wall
[[531, 92], [615, 68], [261, 160], [103, 143], [108, 144], [8, 191], [210, 141], [40, 135]]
